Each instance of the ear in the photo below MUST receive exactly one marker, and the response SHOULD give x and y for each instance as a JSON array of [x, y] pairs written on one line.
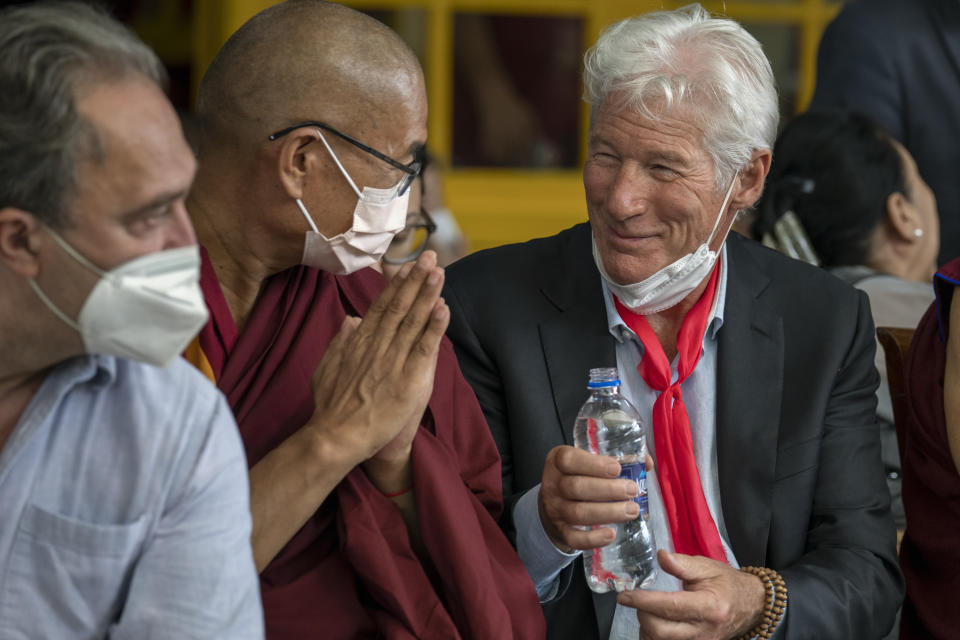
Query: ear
[[901, 217], [298, 158], [751, 180], [20, 241]]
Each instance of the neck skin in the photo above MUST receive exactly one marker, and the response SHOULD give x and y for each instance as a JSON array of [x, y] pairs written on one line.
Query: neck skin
[[31, 349], [898, 258], [224, 218]]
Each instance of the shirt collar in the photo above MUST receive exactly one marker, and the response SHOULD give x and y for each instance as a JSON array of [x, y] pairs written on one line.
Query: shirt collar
[[620, 331], [98, 370]]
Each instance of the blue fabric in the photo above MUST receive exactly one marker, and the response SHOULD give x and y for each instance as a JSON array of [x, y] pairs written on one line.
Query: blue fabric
[[125, 505]]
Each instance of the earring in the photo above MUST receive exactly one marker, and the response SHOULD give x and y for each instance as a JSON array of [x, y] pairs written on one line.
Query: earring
[[918, 233]]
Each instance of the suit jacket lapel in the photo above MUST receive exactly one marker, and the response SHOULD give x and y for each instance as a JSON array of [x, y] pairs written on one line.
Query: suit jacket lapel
[[749, 388], [575, 338]]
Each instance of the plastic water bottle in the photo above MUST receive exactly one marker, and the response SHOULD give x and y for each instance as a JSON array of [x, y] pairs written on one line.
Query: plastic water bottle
[[608, 424]]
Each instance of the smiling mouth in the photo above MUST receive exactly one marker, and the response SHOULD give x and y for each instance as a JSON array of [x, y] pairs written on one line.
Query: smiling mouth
[[626, 235], [617, 236]]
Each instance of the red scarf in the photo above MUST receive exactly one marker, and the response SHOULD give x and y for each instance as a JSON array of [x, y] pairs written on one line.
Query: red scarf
[[694, 531]]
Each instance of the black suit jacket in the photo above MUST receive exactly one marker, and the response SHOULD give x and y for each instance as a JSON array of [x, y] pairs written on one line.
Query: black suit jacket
[[802, 485], [898, 61]]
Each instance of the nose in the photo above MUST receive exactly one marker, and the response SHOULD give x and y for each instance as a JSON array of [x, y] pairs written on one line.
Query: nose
[[180, 230], [629, 193]]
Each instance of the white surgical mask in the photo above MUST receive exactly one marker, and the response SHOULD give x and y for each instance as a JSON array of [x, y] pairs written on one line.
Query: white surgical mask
[[147, 309], [668, 286], [380, 214]]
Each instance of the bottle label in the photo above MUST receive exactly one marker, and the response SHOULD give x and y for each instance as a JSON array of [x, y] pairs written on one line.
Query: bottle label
[[637, 472]]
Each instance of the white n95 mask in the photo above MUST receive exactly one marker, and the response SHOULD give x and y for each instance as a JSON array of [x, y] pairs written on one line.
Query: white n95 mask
[[380, 214], [147, 309], [671, 284]]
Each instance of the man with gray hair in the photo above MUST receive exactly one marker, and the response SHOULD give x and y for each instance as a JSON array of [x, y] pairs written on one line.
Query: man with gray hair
[[757, 395], [123, 482]]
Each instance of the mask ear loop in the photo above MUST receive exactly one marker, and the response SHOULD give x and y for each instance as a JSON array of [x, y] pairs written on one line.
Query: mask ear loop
[[76, 255], [53, 307], [306, 215], [339, 165], [723, 210]]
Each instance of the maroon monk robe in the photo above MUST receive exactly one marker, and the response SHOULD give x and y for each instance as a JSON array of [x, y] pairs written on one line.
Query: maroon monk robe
[[350, 571], [930, 551]]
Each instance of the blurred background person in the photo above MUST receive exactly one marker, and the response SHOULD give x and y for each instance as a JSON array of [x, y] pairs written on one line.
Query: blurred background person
[[899, 63], [447, 238], [869, 218], [407, 245], [430, 224]]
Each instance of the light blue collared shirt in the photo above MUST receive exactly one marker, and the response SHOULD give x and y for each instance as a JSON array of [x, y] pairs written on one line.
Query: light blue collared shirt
[[543, 560], [125, 505]]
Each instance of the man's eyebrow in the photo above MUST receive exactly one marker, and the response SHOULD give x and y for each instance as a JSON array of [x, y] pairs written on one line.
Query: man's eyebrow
[[654, 155], [157, 202], [596, 138], [667, 156]]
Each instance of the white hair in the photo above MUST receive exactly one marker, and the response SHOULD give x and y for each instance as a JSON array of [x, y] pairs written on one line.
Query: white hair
[[688, 59]]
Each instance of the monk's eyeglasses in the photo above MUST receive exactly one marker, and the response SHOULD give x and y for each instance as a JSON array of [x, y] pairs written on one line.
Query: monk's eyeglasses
[[412, 240], [411, 170]]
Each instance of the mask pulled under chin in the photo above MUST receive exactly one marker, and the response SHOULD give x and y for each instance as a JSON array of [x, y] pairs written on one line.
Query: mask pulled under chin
[[147, 309], [670, 285]]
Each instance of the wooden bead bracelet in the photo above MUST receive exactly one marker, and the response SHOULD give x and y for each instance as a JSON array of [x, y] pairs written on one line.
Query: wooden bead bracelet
[[774, 606]]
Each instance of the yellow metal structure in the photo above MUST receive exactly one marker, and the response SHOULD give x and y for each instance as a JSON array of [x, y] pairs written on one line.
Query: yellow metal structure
[[496, 206]]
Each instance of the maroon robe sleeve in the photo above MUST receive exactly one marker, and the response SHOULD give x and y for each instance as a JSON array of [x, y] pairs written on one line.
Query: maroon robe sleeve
[[482, 590], [350, 572], [929, 556]]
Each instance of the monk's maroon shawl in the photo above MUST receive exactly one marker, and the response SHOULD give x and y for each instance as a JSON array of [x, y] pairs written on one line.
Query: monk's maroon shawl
[[350, 571], [929, 552]]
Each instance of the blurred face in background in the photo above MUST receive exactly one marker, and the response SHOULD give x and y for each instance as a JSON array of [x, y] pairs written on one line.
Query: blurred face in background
[[407, 244]]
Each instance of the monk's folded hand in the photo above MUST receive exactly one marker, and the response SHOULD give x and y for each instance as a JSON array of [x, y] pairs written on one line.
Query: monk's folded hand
[[580, 489], [717, 601], [375, 379]]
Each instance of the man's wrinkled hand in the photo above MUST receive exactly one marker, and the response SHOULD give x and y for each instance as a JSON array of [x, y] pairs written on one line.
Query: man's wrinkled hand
[[375, 379], [580, 489], [717, 601]]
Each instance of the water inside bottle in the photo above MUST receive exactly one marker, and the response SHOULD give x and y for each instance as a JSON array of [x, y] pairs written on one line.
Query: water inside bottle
[[628, 562]]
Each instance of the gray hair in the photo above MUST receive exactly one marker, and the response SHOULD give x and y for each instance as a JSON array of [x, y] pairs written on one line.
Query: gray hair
[[686, 58], [50, 51]]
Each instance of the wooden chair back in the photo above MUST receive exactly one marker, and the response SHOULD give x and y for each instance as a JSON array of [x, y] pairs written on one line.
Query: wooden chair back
[[896, 343]]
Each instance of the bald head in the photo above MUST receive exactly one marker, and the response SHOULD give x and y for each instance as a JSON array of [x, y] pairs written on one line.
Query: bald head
[[304, 60]]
